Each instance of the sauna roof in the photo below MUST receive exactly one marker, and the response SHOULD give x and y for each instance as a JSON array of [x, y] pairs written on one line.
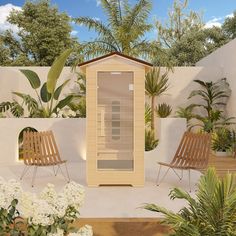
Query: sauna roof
[[115, 54]]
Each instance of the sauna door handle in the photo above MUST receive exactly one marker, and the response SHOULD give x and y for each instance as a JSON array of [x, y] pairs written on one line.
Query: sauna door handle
[[102, 122]]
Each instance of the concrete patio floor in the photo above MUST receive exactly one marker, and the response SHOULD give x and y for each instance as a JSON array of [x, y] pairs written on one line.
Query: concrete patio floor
[[104, 202]]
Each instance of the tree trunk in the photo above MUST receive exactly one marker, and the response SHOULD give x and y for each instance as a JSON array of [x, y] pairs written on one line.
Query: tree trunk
[[153, 113]]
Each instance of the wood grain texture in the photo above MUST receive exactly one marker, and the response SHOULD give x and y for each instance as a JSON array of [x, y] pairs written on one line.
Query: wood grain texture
[[95, 176]]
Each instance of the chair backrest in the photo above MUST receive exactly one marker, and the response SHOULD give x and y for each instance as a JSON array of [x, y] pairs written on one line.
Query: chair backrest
[[39, 148], [193, 151]]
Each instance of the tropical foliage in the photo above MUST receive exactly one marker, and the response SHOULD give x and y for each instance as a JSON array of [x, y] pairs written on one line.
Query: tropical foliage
[[211, 213], [213, 97], [48, 95], [223, 140], [148, 115], [187, 113], [156, 83], [150, 141], [124, 32], [163, 110], [78, 104]]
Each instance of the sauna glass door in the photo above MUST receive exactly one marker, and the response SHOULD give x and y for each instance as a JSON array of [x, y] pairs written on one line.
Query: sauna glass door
[[115, 121]]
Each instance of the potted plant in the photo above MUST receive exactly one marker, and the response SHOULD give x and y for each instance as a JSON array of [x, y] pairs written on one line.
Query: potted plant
[[223, 141]]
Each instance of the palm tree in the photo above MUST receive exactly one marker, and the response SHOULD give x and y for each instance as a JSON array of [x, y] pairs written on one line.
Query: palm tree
[[124, 32], [212, 212], [155, 85]]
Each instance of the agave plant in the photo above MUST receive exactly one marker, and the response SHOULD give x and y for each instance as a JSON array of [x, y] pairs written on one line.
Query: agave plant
[[163, 110], [48, 95], [150, 141], [155, 85], [211, 213]]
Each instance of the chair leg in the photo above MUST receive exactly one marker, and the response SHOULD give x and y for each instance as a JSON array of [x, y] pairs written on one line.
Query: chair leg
[[163, 177], [189, 180], [66, 178], [34, 175], [177, 174], [55, 171], [158, 175], [67, 173], [24, 172]]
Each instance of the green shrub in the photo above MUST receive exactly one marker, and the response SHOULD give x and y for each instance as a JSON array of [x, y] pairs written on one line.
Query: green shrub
[[223, 140]]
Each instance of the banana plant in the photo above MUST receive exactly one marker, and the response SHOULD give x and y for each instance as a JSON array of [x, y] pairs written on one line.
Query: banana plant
[[48, 94]]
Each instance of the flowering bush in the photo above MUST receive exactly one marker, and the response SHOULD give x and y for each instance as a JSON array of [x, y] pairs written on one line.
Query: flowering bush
[[49, 213]]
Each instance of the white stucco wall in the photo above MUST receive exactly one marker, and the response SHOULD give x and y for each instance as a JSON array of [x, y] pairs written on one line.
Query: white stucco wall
[[225, 59], [180, 80], [181, 84], [169, 133], [11, 79], [69, 135]]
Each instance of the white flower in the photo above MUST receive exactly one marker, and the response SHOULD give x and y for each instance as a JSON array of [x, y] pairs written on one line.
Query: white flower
[[60, 206], [74, 193], [42, 213], [9, 191], [26, 204], [49, 193]]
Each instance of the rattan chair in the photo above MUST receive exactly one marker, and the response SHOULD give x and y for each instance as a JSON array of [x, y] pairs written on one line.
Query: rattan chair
[[40, 150], [192, 154]]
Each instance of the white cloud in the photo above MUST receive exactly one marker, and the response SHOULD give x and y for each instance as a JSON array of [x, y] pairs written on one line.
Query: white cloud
[[214, 22], [4, 13], [98, 2], [230, 15], [74, 32], [217, 21]]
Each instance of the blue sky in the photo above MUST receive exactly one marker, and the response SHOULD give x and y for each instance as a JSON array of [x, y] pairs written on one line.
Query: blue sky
[[214, 12]]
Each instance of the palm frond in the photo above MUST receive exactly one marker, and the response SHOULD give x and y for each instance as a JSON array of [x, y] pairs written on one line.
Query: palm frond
[[31, 103]]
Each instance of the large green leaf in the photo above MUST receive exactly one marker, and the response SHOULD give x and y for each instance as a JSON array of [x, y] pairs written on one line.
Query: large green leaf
[[64, 102], [45, 95], [56, 70], [32, 77], [59, 89]]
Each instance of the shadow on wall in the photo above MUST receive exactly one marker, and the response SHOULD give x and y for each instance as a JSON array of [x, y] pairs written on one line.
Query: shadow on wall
[[181, 84]]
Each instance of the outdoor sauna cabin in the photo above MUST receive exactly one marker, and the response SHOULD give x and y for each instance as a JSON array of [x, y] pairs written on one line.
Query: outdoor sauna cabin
[[115, 98]]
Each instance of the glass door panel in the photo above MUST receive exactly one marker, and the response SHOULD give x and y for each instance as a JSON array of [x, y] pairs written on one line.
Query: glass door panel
[[115, 121]]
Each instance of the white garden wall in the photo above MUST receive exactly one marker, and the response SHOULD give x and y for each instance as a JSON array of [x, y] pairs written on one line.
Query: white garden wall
[[225, 59], [169, 133], [69, 135], [11, 79], [180, 80]]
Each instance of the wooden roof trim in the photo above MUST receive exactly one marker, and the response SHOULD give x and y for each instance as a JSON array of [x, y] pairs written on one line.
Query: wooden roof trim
[[118, 54]]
